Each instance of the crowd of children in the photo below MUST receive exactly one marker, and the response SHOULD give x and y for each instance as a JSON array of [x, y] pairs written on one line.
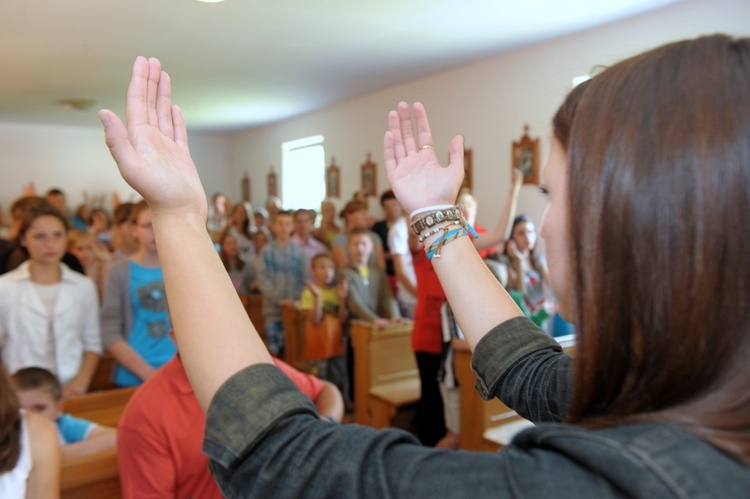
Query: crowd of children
[[71, 294]]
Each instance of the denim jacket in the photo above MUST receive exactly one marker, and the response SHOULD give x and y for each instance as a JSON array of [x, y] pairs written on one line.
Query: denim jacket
[[264, 439]]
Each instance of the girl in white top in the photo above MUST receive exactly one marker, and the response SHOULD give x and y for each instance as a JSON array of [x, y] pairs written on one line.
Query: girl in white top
[[29, 451], [49, 315]]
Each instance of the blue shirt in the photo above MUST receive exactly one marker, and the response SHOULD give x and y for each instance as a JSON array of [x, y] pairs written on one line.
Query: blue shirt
[[150, 333], [72, 430]]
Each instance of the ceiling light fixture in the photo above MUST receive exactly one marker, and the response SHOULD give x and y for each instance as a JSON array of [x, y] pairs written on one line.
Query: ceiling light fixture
[[209, 1], [79, 104]]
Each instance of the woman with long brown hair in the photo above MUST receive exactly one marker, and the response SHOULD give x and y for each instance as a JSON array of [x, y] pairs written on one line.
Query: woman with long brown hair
[[646, 238]]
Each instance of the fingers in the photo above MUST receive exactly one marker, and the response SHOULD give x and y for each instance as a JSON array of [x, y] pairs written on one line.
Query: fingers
[[180, 129], [407, 133], [164, 105], [424, 135], [152, 89], [394, 126], [388, 152], [135, 106], [117, 140]]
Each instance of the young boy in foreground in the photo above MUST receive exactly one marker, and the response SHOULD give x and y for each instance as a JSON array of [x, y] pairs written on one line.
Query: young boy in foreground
[[39, 391]]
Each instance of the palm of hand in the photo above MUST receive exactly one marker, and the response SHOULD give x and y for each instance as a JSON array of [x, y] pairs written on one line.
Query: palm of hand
[[153, 155], [165, 176], [413, 171]]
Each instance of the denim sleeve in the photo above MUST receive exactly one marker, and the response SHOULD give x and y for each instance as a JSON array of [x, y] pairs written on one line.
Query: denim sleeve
[[521, 365], [264, 439]]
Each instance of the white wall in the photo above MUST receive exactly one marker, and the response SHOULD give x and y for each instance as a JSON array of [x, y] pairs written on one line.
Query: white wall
[[488, 102], [76, 159]]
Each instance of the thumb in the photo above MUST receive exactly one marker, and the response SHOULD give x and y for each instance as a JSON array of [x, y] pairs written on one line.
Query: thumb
[[116, 138]]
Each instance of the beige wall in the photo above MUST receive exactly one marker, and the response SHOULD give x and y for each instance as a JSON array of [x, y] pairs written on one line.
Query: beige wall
[[487, 102], [76, 159]]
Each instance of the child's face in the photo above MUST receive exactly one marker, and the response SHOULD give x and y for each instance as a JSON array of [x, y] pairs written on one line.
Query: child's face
[[323, 271], [283, 225], [39, 402], [302, 224], [357, 219], [45, 240], [360, 248], [83, 250], [259, 240], [229, 247], [144, 231]]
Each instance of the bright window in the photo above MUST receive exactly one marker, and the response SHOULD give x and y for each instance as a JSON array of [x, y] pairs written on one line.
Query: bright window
[[303, 173]]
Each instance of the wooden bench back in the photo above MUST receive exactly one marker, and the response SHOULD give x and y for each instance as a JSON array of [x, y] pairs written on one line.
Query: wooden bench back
[[104, 408], [380, 357], [92, 475], [254, 307], [103, 378], [294, 330], [391, 355]]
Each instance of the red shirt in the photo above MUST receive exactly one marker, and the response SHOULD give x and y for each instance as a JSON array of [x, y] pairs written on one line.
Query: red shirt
[[160, 436], [427, 334]]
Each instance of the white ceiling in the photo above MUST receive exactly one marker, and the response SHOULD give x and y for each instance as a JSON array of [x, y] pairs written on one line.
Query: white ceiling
[[243, 63]]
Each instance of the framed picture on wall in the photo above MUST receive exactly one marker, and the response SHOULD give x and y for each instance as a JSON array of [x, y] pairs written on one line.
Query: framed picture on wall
[[273, 188], [525, 157], [333, 180], [369, 180], [246, 188]]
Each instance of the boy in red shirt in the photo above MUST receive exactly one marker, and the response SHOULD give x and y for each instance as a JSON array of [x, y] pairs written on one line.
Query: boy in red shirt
[[160, 435]]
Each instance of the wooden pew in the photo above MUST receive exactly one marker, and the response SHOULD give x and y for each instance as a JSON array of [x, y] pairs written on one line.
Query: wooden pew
[[385, 372], [104, 375], [294, 330], [94, 475], [486, 424], [104, 408], [254, 307]]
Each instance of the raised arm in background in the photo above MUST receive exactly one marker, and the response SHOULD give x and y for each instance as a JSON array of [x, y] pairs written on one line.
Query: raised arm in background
[[500, 232]]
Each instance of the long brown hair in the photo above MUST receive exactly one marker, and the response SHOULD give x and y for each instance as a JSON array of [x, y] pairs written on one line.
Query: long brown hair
[[10, 423], [659, 196]]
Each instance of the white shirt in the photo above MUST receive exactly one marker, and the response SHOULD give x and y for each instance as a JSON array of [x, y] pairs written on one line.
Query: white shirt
[[398, 242], [26, 326], [13, 482]]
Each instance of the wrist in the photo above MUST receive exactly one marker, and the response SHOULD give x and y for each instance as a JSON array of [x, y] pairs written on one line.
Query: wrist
[[171, 219]]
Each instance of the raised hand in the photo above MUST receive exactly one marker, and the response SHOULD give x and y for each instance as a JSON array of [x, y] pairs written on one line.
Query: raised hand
[[516, 179], [29, 190], [343, 290], [412, 167], [312, 287], [513, 252], [153, 155]]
